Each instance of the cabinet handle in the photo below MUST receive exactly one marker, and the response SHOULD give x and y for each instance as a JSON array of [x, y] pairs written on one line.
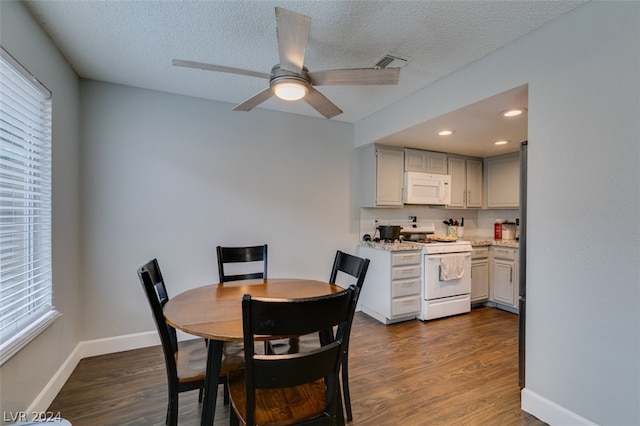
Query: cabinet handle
[[510, 274], [469, 197]]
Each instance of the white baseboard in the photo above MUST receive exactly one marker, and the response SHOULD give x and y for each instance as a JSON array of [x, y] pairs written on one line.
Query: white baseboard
[[84, 350], [550, 412]]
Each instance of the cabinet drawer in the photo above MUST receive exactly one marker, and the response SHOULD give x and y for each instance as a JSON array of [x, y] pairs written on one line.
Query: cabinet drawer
[[402, 272], [405, 305], [405, 287], [406, 258], [501, 253], [480, 252]]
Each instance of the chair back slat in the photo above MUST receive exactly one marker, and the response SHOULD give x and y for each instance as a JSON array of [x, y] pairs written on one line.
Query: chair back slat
[[231, 255], [300, 368]]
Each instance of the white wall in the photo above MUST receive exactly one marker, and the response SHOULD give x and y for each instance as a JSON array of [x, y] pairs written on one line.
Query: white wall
[[171, 177], [25, 375], [583, 252]]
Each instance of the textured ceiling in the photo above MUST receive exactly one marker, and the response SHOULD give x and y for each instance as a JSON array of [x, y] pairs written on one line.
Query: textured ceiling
[[133, 42]]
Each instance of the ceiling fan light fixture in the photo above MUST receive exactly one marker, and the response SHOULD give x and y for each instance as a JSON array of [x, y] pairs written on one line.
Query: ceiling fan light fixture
[[290, 90]]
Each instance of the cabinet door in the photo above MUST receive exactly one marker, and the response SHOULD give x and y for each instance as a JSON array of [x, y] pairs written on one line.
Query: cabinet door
[[458, 174], [389, 176], [479, 280], [503, 182], [415, 160], [474, 183], [437, 163], [504, 282]]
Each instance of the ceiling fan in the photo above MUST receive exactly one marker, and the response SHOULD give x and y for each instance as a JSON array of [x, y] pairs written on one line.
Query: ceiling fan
[[290, 79]]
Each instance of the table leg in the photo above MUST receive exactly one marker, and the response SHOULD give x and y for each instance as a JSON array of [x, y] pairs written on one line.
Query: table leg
[[214, 360]]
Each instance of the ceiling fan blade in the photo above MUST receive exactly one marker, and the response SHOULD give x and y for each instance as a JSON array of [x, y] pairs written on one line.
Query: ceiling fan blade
[[219, 68], [321, 104], [255, 100], [293, 32], [355, 77]]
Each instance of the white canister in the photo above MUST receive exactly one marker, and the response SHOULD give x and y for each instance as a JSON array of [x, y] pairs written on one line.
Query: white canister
[[508, 231]]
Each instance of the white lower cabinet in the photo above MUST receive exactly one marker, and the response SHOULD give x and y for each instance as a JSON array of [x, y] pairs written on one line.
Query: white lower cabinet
[[480, 274], [392, 288], [505, 279]]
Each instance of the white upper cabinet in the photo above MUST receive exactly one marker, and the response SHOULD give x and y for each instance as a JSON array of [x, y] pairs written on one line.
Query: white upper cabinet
[[474, 183], [382, 173], [466, 182], [503, 181], [417, 160]]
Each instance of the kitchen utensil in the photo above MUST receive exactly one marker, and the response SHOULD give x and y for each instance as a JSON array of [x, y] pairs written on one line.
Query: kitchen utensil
[[389, 232]]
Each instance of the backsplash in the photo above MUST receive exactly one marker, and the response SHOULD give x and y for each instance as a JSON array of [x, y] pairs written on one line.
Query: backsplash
[[477, 222]]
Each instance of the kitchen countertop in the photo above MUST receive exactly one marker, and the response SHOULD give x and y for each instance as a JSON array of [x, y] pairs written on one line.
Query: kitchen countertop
[[391, 246], [475, 242], [482, 242]]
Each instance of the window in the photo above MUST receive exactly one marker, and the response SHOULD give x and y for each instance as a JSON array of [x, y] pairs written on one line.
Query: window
[[26, 306]]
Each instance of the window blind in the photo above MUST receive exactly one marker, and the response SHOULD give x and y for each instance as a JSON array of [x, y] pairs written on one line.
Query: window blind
[[26, 306]]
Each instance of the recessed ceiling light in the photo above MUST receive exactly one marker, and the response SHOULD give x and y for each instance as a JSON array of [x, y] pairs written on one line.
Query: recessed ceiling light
[[513, 112], [501, 142], [446, 132]]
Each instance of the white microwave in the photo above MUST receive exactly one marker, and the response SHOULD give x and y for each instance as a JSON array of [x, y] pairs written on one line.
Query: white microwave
[[425, 188]]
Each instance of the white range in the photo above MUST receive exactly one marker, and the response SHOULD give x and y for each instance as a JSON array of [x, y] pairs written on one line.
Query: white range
[[446, 274]]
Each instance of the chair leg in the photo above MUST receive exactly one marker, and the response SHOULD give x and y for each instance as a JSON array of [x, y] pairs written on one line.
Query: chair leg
[[233, 417], [226, 392], [345, 388], [172, 409]]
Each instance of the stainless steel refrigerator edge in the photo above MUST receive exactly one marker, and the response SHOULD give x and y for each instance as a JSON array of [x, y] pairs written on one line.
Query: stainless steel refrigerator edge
[[522, 291]]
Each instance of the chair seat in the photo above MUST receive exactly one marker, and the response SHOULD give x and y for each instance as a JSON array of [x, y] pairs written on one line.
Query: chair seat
[[191, 359], [282, 406]]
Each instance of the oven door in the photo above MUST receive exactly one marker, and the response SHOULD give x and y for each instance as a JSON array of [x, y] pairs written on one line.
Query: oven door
[[447, 275]]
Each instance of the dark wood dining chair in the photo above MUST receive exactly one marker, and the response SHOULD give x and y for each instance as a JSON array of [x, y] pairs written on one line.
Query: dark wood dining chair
[[185, 361], [347, 268], [231, 255], [249, 254], [294, 388], [356, 268]]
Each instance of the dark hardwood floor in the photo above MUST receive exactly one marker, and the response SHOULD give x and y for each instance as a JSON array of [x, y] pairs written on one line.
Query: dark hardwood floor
[[460, 370]]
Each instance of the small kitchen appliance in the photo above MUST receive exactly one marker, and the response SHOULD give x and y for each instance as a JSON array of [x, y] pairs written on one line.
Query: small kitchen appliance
[[424, 188]]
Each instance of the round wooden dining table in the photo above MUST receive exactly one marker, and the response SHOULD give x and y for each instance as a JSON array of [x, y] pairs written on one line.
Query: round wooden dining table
[[215, 313]]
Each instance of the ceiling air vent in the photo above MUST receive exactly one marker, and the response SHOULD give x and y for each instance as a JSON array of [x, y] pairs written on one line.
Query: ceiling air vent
[[392, 60]]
